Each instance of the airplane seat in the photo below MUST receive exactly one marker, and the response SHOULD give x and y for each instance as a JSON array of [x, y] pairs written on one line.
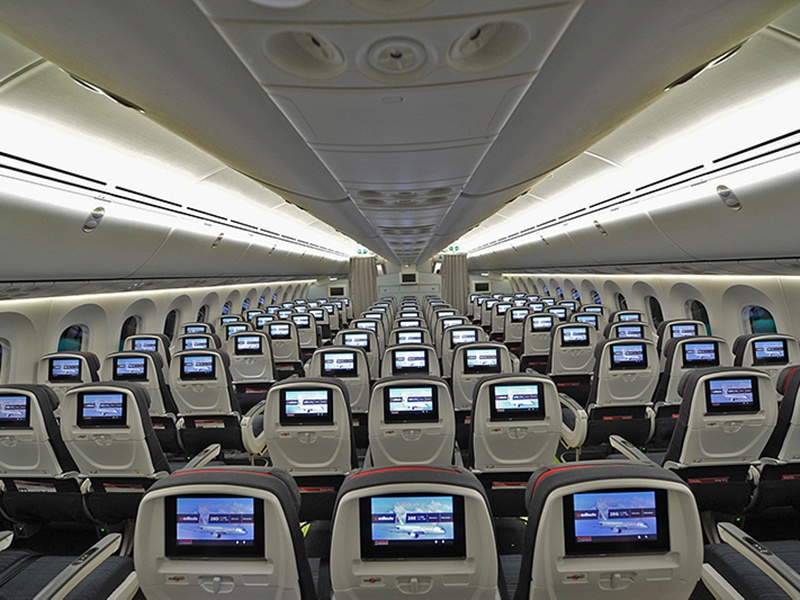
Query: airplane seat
[[681, 356], [232, 532], [627, 316], [374, 325], [514, 328], [309, 432], [366, 340], [454, 336], [145, 368], [625, 377], [778, 471], [251, 361], [151, 342], [286, 352], [425, 531], [208, 411], [727, 415], [536, 337], [197, 327], [602, 314], [571, 359], [609, 529], [769, 352], [515, 428], [107, 430], [410, 360], [628, 330], [497, 322], [350, 367], [410, 335], [62, 370], [471, 362], [411, 422], [441, 325], [676, 328], [196, 341], [308, 334], [34, 458]]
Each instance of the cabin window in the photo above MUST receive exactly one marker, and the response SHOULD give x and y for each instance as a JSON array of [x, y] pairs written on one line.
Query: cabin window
[[698, 312], [246, 304], [274, 298], [595, 297], [202, 314], [546, 291], [622, 302], [226, 308], [129, 327], [759, 319], [261, 301], [73, 338], [656, 314], [171, 323], [4, 354], [576, 295], [560, 293]]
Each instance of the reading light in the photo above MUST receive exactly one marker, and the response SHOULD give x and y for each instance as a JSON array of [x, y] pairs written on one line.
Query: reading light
[[600, 228], [728, 197], [93, 220], [218, 240]]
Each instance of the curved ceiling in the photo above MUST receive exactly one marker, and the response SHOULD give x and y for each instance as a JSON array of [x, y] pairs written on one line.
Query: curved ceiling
[[401, 125]]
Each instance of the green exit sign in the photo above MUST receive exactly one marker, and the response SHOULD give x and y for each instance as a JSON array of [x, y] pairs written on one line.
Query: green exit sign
[[453, 248]]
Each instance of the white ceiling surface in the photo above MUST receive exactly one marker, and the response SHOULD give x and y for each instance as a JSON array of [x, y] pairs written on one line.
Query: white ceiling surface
[[401, 125]]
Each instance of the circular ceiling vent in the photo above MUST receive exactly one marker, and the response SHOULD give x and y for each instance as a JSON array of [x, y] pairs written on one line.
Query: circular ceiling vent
[[305, 54], [396, 60], [488, 46], [391, 7]]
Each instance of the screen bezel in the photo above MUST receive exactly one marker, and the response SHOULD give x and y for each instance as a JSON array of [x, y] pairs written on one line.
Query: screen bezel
[[305, 420], [431, 416], [628, 365], [204, 338], [349, 335], [248, 351], [629, 324], [516, 414], [661, 545], [198, 376], [399, 334], [762, 362], [352, 372], [673, 327], [129, 377], [590, 319], [413, 548], [64, 378], [687, 364], [536, 329], [575, 343], [101, 422], [220, 551], [481, 369], [729, 409], [409, 370], [151, 341], [454, 343], [286, 336]]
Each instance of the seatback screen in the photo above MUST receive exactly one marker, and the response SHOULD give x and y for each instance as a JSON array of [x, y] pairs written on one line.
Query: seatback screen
[[368, 325], [541, 323], [309, 406], [412, 404], [404, 323], [65, 370], [516, 402], [593, 309], [700, 354], [409, 337], [130, 368], [102, 409], [574, 336], [732, 395], [248, 345], [262, 320], [280, 331], [412, 526], [235, 328], [518, 315], [195, 329], [451, 322], [302, 321], [463, 336], [560, 312], [629, 316], [481, 360], [214, 526], [357, 340], [587, 320], [770, 352], [339, 364], [679, 330], [195, 343], [630, 331], [145, 344], [230, 319], [615, 522], [628, 356], [14, 411], [198, 366], [409, 361]]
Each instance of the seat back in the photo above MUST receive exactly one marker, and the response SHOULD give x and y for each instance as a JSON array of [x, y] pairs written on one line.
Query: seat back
[[676, 328], [226, 531], [411, 422], [250, 354], [284, 341], [537, 333], [349, 366], [307, 332], [145, 369], [374, 325], [410, 359], [600, 310], [498, 320], [687, 354], [473, 361], [308, 427], [516, 423], [29, 433], [616, 528], [629, 330], [627, 316], [229, 329], [442, 324], [201, 383], [572, 348], [562, 312], [197, 328], [366, 340], [63, 370], [107, 429], [626, 372], [323, 320], [587, 318], [422, 529], [514, 324], [727, 416], [334, 318], [455, 336], [769, 352], [197, 341], [151, 342], [784, 443]]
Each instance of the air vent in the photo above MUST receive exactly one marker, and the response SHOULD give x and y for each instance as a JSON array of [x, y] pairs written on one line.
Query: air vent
[[488, 46], [305, 54]]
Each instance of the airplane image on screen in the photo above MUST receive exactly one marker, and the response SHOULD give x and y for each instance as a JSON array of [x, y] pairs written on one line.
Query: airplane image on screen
[[620, 526], [219, 530], [417, 529]]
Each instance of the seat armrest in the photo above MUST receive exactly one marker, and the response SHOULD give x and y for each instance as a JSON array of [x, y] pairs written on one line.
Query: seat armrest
[[630, 451], [254, 443], [202, 458], [575, 436], [63, 583], [6, 537], [786, 577]]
